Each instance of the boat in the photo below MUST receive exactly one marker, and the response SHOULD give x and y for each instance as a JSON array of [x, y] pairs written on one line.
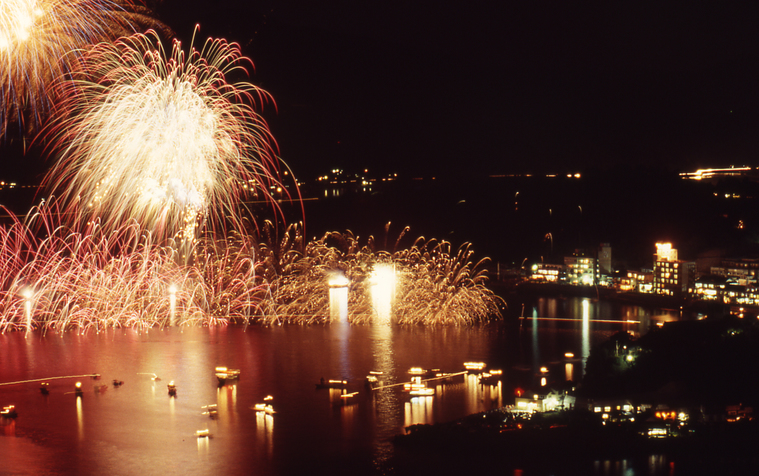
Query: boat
[[264, 408], [78, 389], [347, 398], [211, 410], [225, 374], [172, 389], [372, 382], [332, 383], [9, 412], [422, 392], [491, 377], [203, 433], [423, 373], [118, 383], [44, 388], [474, 367]]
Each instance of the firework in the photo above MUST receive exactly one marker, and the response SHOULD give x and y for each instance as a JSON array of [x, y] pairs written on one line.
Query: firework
[[423, 284], [38, 44], [162, 138], [96, 279]]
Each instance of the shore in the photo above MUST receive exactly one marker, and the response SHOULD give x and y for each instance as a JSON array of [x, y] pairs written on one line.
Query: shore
[[576, 439]]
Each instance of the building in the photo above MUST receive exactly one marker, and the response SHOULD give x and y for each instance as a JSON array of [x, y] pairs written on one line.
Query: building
[[604, 259], [636, 281], [581, 269], [672, 276], [743, 270], [547, 273]]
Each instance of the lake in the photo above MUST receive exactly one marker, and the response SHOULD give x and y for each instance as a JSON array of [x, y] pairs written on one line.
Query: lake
[[137, 428]]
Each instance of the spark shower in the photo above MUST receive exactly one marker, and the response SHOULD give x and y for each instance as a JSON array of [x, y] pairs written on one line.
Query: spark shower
[[154, 153]]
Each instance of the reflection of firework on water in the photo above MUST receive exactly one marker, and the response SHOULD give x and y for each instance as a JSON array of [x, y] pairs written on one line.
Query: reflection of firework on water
[[36, 39], [98, 279], [434, 285], [161, 138]]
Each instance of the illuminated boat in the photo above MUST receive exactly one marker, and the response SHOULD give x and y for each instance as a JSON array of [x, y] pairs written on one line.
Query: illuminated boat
[[424, 373], [9, 412], [372, 381], [474, 366], [211, 410], [203, 433], [422, 392], [44, 388], [332, 383], [347, 398], [224, 374], [264, 408], [491, 378], [172, 389]]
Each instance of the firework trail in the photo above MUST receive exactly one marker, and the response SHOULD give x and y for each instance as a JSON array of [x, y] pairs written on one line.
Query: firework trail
[[38, 44], [161, 138], [95, 280], [434, 284]]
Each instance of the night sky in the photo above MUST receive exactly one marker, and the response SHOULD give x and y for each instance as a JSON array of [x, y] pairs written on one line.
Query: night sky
[[434, 88]]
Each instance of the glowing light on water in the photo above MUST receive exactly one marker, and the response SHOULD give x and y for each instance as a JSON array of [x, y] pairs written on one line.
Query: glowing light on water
[[585, 329], [383, 282], [338, 298]]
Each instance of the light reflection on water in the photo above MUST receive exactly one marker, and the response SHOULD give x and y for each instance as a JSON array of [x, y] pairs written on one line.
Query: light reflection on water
[[138, 428]]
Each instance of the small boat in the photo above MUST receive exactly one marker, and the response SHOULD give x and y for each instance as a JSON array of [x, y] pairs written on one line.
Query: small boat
[[422, 392], [264, 408], [211, 410], [224, 374], [474, 367], [372, 382], [332, 383], [44, 388], [9, 412], [78, 389], [172, 389], [347, 398], [423, 373], [118, 383], [491, 378], [95, 376], [203, 433]]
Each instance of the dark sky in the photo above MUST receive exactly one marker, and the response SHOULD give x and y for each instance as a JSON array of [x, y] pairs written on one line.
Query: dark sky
[[483, 87], [429, 87]]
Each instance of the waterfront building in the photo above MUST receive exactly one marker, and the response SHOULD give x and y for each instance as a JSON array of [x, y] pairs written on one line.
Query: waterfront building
[[547, 273], [641, 281], [672, 276], [581, 269], [743, 270]]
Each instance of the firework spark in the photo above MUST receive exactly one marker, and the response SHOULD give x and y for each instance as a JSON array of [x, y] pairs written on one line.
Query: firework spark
[[431, 284], [38, 44], [163, 139]]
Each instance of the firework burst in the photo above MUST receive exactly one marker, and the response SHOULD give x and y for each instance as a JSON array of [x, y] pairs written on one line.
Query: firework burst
[[431, 284], [162, 138], [38, 41]]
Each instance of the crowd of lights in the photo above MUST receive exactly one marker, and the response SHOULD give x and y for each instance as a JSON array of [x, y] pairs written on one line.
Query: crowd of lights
[[155, 153]]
